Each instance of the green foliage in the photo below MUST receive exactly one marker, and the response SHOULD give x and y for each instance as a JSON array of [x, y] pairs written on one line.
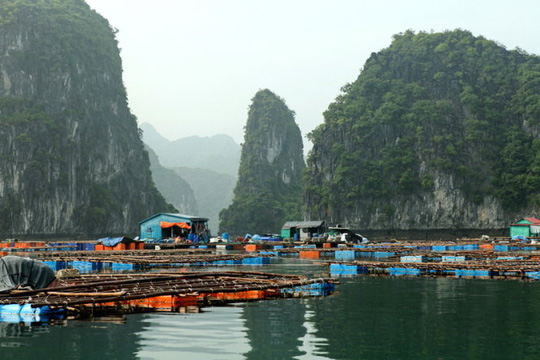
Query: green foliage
[[54, 17], [16, 111], [441, 104], [23, 139], [518, 176], [102, 208], [10, 209], [527, 98], [427, 182]]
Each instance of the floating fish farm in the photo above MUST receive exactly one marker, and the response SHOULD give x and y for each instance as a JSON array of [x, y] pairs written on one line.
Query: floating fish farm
[[133, 278], [98, 295], [122, 281], [493, 261]]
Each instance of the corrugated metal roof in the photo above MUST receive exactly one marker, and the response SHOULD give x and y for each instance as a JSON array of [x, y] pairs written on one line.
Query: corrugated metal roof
[[191, 217], [527, 222], [303, 224]]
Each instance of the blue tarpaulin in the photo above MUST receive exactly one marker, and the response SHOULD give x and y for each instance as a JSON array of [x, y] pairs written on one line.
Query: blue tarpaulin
[[519, 237], [112, 241]]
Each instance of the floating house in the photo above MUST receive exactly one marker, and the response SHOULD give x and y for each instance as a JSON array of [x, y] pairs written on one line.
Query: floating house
[[302, 229], [528, 227], [170, 226]]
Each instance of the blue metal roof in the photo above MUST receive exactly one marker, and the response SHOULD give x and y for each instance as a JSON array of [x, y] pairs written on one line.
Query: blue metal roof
[[191, 218]]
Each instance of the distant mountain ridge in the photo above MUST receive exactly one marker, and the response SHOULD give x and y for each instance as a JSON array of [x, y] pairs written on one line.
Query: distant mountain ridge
[[218, 153], [172, 186], [213, 191], [208, 164]]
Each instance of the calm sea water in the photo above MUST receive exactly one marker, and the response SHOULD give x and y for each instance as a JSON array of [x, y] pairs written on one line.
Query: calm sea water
[[368, 318]]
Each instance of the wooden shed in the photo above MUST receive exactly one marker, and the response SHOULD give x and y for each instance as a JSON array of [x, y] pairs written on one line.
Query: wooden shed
[[166, 225], [528, 227]]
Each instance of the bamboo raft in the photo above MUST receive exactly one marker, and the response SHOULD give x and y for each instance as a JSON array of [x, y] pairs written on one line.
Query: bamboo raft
[[394, 252], [120, 294], [153, 259], [99, 261], [102, 254], [525, 269]]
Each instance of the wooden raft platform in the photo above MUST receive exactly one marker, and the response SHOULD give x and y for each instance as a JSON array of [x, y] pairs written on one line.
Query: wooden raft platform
[[119, 294], [502, 269], [152, 258]]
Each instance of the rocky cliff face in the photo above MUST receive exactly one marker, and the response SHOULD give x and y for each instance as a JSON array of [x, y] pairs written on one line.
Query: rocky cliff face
[[268, 191], [72, 161], [439, 131]]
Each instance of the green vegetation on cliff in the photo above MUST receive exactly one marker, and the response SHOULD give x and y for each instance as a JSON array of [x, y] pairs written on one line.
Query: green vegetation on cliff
[[431, 108], [268, 191], [88, 33]]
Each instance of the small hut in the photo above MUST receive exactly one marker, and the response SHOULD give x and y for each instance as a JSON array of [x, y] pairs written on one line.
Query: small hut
[[166, 225], [303, 229], [528, 227]]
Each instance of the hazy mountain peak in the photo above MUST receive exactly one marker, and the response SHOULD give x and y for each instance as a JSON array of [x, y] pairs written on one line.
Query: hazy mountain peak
[[218, 153]]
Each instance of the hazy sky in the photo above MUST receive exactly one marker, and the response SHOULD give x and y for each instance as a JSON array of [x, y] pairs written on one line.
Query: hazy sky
[[191, 67]]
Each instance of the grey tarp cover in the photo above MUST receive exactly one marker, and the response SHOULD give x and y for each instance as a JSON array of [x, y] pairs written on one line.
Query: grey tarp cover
[[19, 271]]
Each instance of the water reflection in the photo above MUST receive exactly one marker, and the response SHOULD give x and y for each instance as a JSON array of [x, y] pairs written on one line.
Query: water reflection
[[419, 318], [275, 326], [70, 340], [311, 344], [217, 333], [280, 329]]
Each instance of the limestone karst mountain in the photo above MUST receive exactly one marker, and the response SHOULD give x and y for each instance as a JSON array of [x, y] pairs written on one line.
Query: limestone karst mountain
[[439, 131], [71, 159], [268, 191]]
